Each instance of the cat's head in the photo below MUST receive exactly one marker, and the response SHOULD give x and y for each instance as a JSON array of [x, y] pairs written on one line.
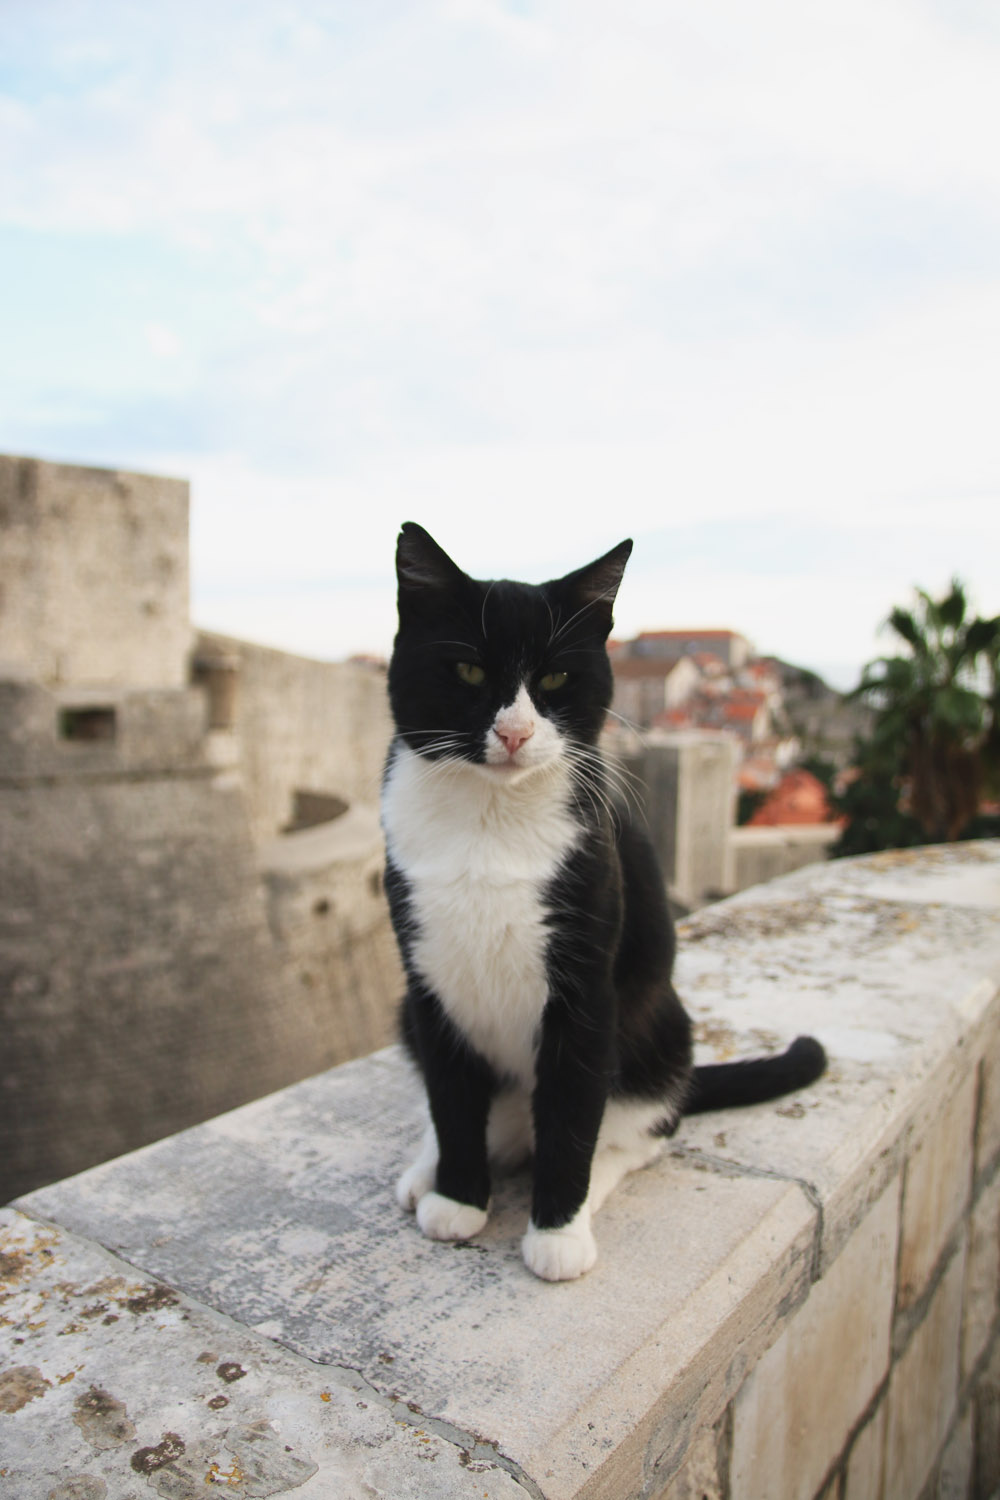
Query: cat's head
[[507, 676]]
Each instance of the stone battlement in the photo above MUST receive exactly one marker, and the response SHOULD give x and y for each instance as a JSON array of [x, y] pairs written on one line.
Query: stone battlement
[[799, 1301]]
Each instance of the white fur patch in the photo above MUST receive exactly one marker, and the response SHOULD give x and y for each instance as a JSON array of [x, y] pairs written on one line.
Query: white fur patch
[[625, 1144], [418, 1179], [478, 847], [561, 1254], [442, 1218], [541, 742]]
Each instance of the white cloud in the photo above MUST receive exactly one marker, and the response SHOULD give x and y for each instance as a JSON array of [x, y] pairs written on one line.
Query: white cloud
[[162, 341], [536, 275]]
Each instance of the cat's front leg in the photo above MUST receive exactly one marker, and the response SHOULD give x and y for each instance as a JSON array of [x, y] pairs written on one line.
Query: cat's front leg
[[448, 1186], [569, 1100]]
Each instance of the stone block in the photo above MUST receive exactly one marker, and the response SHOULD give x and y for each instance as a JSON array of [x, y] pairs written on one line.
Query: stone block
[[982, 1276], [94, 574], [986, 1426], [796, 1411], [703, 1476], [955, 1475], [923, 1390], [866, 1461], [688, 782], [936, 1187], [988, 1124]]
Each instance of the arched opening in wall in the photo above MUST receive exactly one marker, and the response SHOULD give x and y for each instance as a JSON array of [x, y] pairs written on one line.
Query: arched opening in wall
[[88, 726], [309, 809]]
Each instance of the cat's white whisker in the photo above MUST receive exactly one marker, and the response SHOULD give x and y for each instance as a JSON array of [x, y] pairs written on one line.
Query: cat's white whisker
[[483, 613]]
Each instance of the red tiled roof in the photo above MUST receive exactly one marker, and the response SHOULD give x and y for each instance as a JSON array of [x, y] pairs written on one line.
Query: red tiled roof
[[686, 635], [646, 666], [673, 718], [799, 797]]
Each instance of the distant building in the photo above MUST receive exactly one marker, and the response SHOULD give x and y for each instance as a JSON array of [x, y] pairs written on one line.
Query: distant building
[[732, 649], [646, 687]]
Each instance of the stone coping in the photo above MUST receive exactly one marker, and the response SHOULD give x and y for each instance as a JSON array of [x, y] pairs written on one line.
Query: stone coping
[[351, 836], [268, 1239], [785, 833]]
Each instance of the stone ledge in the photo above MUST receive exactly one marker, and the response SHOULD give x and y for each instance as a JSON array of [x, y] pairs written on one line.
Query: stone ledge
[[276, 1223]]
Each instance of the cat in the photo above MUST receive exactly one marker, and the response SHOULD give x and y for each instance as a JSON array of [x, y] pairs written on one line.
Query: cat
[[529, 911]]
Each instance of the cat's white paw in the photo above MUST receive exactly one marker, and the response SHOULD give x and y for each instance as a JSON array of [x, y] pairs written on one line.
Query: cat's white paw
[[560, 1254], [415, 1183], [442, 1218]]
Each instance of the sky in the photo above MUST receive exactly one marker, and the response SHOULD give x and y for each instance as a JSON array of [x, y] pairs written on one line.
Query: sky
[[539, 274]]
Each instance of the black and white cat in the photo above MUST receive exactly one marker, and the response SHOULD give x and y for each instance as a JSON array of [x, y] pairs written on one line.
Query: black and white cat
[[530, 912]]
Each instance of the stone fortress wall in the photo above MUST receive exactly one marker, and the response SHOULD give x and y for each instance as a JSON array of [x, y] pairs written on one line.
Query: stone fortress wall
[[165, 953]]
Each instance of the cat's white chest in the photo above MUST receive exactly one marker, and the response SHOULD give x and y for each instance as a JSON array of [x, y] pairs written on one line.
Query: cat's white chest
[[479, 857]]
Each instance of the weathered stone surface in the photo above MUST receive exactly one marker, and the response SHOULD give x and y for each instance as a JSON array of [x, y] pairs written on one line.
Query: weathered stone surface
[[137, 1393], [866, 1462], [936, 1187], [923, 1389], [982, 1277], [988, 1125], [955, 1474], [314, 726], [140, 987], [899, 991], [986, 1426], [791, 1418], [704, 1473], [100, 546], [282, 1216]]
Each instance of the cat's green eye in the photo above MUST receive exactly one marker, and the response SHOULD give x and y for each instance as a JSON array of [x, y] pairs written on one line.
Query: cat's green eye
[[470, 673], [552, 680]]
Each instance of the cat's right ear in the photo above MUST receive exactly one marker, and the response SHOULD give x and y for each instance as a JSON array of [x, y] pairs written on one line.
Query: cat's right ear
[[425, 571]]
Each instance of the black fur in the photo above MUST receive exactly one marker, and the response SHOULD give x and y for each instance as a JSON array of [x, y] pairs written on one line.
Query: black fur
[[613, 1025]]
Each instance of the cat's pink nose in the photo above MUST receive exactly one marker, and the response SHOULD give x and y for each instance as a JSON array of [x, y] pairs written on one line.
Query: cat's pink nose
[[513, 739]]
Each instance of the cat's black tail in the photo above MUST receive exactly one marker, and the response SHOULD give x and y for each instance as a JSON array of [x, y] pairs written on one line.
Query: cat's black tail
[[728, 1085]]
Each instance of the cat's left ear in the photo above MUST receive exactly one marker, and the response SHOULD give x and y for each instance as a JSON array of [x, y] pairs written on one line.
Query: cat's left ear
[[594, 587]]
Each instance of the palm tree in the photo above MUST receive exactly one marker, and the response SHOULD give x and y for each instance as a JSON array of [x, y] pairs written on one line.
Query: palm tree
[[937, 711]]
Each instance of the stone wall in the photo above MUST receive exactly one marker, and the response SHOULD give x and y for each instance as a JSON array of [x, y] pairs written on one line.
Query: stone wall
[[798, 1302], [150, 974], [93, 575], [762, 854], [302, 725], [330, 924], [686, 785]]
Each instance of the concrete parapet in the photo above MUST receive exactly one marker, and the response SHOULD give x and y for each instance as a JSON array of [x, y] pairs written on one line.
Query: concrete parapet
[[800, 1300], [762, 854]]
